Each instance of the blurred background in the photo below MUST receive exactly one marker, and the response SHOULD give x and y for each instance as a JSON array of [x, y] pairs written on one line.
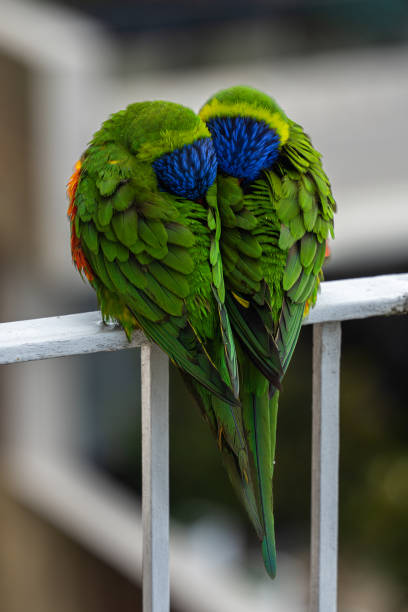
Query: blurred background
[[70, 428]]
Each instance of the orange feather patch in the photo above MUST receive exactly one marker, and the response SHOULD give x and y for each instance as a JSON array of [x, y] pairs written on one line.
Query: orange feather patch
[[78, 256]]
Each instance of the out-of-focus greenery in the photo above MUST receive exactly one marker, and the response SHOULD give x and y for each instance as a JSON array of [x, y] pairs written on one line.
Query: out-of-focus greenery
[[374, 443]]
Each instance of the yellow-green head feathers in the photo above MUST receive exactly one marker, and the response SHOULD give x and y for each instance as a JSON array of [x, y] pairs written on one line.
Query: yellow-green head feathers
[[162, 144], [156, 128], [243, 101]]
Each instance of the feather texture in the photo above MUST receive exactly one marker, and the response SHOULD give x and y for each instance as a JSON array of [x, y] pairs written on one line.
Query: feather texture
[[147, 251], [214, 247], [276, 216]]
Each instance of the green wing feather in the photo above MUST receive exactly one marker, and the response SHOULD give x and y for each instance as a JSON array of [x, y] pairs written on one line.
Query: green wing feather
[[157, 265], [149, 254], [285, 201], [273, 245]]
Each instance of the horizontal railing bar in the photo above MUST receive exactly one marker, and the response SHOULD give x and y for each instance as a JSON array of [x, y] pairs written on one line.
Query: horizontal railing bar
[[361, 298], [84, 333], [62, 336]]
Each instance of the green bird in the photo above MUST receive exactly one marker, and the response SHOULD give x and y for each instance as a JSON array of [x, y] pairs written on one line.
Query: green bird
[[145, 232], [276, 210]]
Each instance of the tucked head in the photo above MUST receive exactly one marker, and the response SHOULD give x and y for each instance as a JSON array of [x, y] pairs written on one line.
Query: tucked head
[[248, 130], [177, 143]]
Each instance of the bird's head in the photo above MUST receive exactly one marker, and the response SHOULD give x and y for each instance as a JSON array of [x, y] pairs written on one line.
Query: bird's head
[[176, 143], [248, 130]]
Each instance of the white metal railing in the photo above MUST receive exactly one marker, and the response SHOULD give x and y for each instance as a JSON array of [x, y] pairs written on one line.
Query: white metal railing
[[339, 301]]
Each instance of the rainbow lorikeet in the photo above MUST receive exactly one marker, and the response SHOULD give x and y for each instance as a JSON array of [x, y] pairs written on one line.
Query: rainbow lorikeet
[[276, 210], [145, 231]]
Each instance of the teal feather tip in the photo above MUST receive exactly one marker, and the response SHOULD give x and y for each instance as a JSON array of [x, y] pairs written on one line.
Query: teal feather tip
[[269, 556]]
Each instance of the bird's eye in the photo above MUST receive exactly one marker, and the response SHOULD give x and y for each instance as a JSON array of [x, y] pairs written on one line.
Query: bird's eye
[[244, 146], [188, 172]]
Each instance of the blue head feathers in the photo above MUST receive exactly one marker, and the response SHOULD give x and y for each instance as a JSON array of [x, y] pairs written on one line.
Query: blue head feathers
[[189, 171], [248, 130], [244, 146]]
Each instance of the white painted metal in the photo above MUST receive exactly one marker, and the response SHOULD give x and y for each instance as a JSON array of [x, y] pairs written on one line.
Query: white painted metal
[[155, 479], [325, 466], [83, 333], [359, 298], [61, 336]]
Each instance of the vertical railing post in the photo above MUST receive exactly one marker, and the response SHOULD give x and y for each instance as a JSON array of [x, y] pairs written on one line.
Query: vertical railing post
[[155, 479], [325, 466]]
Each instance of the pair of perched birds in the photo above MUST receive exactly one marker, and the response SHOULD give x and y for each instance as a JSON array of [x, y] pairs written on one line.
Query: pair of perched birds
[[209, 233]]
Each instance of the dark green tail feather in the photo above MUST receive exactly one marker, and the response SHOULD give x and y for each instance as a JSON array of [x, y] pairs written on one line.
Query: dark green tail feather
[[231, 444], [260, 346], [195, 363], [244, 491], [229, 344], [259, 408], [248, 447], [290, 324], [268, 542]]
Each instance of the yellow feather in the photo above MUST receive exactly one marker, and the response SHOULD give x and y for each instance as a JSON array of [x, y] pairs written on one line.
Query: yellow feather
[[241, 300], [215, 108]]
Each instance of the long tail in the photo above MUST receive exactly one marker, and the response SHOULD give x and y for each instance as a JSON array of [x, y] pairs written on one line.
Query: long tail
[[244, 489], [227, 428], [248, 448], [260, 408], [268, 542]]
